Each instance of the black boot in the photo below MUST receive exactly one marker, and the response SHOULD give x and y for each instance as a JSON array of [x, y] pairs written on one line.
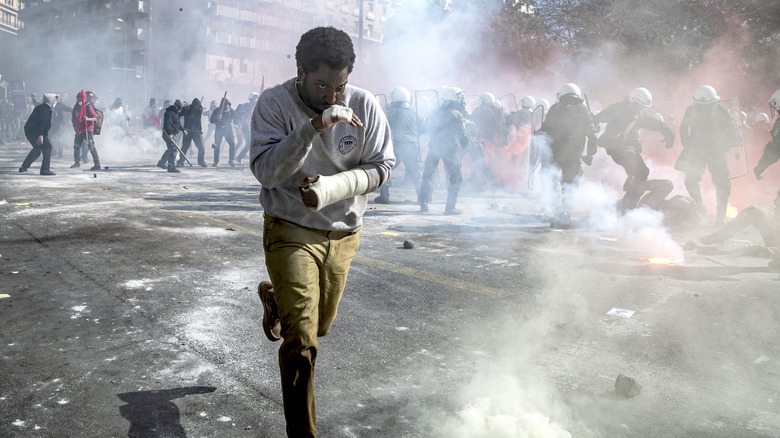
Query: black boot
[[384, 194], [76, 159], [452, 198], [95, 158], [173, 169]]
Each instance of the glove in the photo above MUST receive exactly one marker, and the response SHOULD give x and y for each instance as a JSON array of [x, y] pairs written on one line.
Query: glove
[[335, 114], [587, 159]]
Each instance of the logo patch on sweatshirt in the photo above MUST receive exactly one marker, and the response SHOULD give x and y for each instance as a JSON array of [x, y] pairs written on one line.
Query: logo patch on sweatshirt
[[347, 144]]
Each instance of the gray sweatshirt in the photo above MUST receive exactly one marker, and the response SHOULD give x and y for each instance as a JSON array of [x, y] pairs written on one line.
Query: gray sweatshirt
[[286, 149]]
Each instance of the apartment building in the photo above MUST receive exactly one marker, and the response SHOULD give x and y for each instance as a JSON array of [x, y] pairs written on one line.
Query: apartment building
[[137, 49]]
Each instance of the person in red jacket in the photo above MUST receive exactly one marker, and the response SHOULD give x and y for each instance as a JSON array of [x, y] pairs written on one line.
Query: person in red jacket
[[83, 118]]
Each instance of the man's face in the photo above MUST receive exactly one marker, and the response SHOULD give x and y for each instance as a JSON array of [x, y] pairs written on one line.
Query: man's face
[[322, 88]]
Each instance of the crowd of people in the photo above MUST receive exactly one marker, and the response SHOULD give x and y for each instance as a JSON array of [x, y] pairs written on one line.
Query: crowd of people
[[176, 126], [559, 139]]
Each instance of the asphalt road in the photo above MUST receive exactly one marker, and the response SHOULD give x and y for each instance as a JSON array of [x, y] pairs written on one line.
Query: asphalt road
[[129, 308]]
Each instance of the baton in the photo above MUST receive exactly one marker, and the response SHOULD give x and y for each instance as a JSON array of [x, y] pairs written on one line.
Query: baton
[[182, 153]]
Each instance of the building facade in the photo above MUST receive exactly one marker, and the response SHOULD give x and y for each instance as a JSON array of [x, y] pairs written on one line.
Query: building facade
[[136, 49], [9, 27], [9, 16]]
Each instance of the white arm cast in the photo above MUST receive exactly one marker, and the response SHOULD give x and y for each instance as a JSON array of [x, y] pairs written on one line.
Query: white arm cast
[[334, 188]]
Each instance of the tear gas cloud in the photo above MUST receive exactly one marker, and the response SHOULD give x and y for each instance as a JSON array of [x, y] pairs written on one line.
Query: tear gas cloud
[[426, 50]]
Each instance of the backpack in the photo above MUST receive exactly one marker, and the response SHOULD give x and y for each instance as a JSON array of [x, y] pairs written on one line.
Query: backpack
[[98, 122]]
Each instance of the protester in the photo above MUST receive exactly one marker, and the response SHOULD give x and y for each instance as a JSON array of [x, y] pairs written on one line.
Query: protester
[[83, 118], [37, 132], [318, 146]]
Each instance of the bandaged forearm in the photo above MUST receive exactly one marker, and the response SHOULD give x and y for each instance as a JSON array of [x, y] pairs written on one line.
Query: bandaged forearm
[[334, 188]]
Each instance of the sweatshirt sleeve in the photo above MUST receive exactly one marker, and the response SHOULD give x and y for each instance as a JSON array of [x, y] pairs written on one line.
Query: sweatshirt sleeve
[[378, 158], [277, 150]]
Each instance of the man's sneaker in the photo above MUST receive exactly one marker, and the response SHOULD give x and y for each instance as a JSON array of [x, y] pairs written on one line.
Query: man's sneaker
[[173, 169], [47, 172], [95, 167], [75, 165], [22, 169], [423, 208], [382, 200], [452, 211], [162, 165], [271, 324]]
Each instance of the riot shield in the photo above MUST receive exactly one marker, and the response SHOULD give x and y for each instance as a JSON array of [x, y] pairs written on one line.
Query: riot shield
[[425, 101], [535, 154], [508, 99], [472, 102], [735, 141]]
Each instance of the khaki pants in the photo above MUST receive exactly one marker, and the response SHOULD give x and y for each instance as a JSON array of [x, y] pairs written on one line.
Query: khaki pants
[[765, 222], [308, 269]]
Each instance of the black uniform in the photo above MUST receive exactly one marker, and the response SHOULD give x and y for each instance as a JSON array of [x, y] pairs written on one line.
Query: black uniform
[[621, 141], [447, 127], [565, 129], [243, 118], [222, 118], [37, 127], [705, 133], [192, 124], [171, 127]]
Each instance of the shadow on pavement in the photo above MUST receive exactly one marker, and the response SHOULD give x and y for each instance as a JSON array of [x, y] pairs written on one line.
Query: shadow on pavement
[[153, 414]]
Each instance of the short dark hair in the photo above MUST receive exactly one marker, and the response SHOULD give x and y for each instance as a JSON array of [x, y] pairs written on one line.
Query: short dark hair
[[325, 45]]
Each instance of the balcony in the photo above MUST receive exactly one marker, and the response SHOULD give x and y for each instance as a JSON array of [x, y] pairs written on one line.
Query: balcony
[[247, 42], [226, 38], [227, 11], [252, 17]]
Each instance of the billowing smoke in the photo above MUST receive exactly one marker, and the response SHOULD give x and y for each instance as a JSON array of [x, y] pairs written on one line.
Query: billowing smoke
[[508, 395], [427, 47]]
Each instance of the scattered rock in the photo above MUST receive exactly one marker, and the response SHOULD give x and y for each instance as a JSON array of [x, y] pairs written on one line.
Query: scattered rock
[[408, 244], [626, 387]]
